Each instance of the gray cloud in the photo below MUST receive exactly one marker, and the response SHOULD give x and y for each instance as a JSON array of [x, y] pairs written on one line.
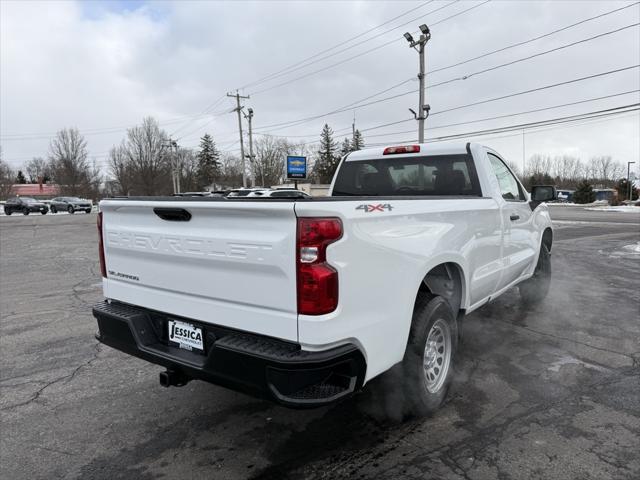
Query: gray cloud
[[65, 65]]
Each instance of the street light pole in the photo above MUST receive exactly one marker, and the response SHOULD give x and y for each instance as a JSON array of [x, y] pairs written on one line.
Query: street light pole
[[423, 108], [249, 117], [629, 180]]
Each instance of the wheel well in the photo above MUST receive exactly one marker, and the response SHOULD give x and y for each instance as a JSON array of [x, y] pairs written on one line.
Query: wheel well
[[547, 238], [445, 280]]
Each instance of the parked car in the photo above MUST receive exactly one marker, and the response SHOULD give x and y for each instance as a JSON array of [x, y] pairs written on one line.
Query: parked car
[[279, 193], [305, 301], [70, 204], [24, 205], [243, 192]]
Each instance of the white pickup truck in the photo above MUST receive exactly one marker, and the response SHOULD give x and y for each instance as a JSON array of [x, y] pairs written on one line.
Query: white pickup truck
[[303, 301]]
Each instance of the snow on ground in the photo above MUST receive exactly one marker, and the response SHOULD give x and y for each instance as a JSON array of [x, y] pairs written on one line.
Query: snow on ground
[[571, 204], [620, 208]]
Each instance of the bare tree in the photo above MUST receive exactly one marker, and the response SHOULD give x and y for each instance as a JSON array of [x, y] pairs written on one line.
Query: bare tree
[[147, 159], [231, 170], [7, 176], [68, 162], [188, 165], [38, 170], [120, 171], [271, 153]]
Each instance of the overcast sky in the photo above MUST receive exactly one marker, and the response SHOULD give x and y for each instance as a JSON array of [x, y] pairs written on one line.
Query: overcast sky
[[103, 66]]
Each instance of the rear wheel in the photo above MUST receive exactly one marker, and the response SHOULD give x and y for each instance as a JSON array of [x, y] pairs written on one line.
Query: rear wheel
[[25, 211], [53, 209], [88, 210], [43, 212], [7, 212], [428, 360], [70, 209], [535, 289]]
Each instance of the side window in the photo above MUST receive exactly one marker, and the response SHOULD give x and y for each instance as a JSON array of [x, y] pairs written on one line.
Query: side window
[[508, 184]]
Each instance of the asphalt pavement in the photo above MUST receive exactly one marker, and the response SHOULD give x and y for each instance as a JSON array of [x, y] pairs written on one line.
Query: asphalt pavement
[[551, 392]]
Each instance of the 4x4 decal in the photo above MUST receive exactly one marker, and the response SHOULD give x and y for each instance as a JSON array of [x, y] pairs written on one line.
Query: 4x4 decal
[[379, 207]]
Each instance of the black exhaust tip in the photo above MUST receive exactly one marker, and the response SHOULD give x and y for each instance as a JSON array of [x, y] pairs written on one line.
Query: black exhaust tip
[[173, 378]]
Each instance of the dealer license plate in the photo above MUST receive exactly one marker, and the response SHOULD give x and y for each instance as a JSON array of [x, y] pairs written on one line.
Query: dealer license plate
[[187, 336]]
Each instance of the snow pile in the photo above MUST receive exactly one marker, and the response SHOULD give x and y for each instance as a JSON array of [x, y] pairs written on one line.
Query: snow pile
[[621, 208]]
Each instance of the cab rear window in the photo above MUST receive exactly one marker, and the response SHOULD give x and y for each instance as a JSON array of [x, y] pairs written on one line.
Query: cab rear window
[[437, 175]]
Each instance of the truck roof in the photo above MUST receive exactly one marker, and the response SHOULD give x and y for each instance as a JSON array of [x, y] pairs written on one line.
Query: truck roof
[[440, 148]]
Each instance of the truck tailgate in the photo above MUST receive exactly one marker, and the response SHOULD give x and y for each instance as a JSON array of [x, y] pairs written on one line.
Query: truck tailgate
[[231, 264]]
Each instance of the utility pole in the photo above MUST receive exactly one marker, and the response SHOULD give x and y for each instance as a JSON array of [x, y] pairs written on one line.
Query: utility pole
[[423, 108], [629, 180], [238, 109], [249, 117]]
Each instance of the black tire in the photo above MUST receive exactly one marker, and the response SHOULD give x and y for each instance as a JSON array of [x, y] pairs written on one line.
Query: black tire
[[88, 210], [25, 211], [431, 316], [44, 212], [7, 212], [70, 209], [535, 289], [53, 209]]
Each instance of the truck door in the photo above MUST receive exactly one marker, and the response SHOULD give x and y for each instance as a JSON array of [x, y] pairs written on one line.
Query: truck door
[[518, 236]]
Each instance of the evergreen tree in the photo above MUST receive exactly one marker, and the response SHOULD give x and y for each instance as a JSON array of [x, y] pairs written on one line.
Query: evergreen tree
[[584, 193], [208, 162], [358, 141], [346, 147], [327, 157], [623, 190], [20, 178]]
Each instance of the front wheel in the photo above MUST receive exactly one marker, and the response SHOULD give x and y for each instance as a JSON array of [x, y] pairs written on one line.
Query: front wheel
[[53, 209], [70, 209], [25, 211], [536, 288], [88, 210], [43, 212], [428, 360]]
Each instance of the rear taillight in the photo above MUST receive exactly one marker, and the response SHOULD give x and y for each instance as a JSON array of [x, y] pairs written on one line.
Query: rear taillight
[[103, 265], [317, 280]]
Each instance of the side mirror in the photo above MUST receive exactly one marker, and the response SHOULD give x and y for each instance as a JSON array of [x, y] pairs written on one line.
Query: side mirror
[[542, 193]]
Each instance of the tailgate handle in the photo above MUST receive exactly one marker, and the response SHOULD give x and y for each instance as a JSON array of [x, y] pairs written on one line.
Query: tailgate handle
[[173, 214]]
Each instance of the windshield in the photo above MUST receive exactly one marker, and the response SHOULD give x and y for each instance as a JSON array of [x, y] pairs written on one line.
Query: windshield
[[410, 176], [73, 199], [29, 200]]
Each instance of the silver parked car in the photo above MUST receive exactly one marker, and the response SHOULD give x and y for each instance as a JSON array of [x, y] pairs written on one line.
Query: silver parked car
[[70, 204]]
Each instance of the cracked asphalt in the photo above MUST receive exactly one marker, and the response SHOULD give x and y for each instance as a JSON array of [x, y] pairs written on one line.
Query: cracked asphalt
[[551, 392]]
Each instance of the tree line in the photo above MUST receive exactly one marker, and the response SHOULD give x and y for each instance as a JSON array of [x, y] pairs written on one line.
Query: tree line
[[145, 162]]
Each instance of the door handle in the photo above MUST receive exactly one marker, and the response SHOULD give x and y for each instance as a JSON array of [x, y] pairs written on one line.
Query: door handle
[[514, 217]]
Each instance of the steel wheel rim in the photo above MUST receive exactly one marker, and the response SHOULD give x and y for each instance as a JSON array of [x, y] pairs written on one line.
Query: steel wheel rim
[[437, 355]]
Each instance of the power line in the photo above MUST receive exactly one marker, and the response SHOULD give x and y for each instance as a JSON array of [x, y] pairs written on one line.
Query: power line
[[207, 109], [553, 121], [341, 110], [292, 123], [87, 132], [512, 114], [518, 44], [529, 57], [550, 126], [305, 65], [355, 56], [287, 68]]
